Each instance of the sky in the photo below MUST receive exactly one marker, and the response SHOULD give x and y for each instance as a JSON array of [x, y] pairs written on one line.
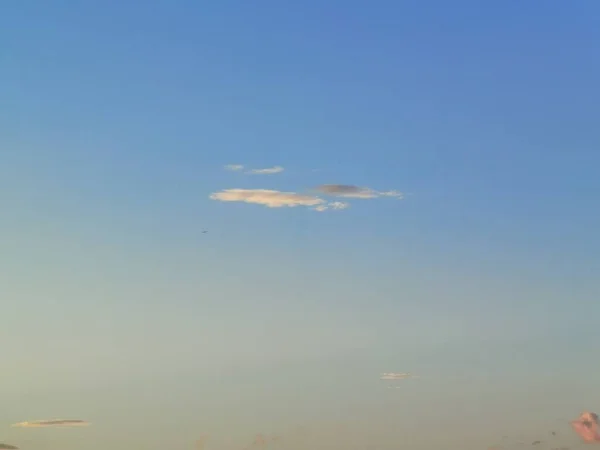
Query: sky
[[228, 218]]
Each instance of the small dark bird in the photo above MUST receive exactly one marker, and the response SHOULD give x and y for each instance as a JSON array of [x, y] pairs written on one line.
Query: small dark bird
[[204, 231]]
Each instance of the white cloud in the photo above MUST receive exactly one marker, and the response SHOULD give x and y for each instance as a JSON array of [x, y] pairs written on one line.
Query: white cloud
[[332, 205], [277, 199], [339, 205], [267, 171], [396, 375], [267, 197], [234, 167], [351, 191], [51, 423]]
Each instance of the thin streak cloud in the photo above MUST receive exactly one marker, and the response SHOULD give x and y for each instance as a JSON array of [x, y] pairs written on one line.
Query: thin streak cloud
[[336, 206], [51, 423], [267, 197], [234, 167], [8, 447], [352, 191], [396, 375], [267, 171]]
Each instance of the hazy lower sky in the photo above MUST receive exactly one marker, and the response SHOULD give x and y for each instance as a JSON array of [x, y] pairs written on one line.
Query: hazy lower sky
[[386, 186]]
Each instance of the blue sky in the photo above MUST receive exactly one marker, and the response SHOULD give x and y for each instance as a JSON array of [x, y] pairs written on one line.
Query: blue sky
[[118, 120]]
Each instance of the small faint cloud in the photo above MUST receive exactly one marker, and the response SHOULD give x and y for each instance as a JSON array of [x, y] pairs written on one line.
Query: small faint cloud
[[352, 191], [8, 447], [267, 171], [51, 423], [392, 193], [234, 167], [267, 197], [396, 375], [332, 205]]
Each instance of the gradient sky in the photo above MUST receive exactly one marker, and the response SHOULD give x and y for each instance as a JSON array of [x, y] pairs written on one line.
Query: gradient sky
[[117, 120]]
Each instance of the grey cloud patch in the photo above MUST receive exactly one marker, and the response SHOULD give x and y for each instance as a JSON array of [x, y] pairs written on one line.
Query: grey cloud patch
[[8, 447], [352, 191], [52, 423], [345, 190]]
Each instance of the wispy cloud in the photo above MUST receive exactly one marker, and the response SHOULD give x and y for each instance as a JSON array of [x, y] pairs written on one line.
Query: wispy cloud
[[352, 191], [267, 197], [279, 199], [396, 375], [8, 447], [234, 167], [51, 423], [339, 205], [332, 205], [267, 171]]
